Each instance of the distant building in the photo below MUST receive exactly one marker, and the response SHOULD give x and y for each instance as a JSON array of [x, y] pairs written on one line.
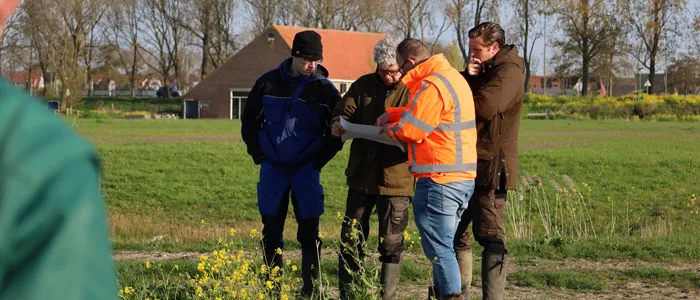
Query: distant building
[[347, 55], [21, 79]]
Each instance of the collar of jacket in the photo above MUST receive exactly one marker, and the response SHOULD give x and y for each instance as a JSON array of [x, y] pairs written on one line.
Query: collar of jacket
[[286, 65], [502, 57], [435, 63]]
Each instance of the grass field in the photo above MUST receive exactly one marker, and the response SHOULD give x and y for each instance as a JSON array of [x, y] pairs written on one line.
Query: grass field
[[175, 185]]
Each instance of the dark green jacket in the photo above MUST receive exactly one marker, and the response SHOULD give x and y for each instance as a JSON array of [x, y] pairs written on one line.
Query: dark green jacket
[[374, 168], [53, 229]]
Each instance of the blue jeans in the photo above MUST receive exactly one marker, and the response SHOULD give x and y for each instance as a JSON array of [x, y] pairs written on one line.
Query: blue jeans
[[437, 209]]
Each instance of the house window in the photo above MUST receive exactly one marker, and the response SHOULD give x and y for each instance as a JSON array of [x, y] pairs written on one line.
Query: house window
[[343, 88]]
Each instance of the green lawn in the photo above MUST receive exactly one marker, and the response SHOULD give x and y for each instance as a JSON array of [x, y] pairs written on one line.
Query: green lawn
[[180, 184]]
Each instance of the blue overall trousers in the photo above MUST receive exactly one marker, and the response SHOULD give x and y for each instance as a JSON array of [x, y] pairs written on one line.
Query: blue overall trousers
[[292, 134]]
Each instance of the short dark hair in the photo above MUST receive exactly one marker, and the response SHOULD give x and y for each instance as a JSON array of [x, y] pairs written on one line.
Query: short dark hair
[[490, 33], [411, 47]]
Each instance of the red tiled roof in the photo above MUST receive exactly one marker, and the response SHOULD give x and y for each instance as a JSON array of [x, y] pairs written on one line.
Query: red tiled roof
[[346, 54]]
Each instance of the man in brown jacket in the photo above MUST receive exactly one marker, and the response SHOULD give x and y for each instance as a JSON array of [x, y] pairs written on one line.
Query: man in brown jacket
[[377, 174], [495, 75]]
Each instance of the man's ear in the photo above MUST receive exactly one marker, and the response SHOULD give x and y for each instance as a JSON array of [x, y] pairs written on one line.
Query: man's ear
[[495, 47]]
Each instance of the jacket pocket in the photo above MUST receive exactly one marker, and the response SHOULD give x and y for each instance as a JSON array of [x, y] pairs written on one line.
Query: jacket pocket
[[399, 211], [309, 116], [486, 168], [397, 176], [273, 110], [510, 167]]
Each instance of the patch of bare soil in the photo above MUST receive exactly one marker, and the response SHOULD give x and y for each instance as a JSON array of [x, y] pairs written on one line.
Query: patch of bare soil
[[616, 289]]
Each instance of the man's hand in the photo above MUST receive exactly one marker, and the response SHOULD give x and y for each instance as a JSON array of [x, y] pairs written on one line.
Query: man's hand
[[474, 67], [383, 120], [337, 130], [383, 129]]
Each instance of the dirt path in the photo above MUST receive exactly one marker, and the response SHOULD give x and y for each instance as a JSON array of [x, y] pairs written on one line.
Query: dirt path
[[616, 289]]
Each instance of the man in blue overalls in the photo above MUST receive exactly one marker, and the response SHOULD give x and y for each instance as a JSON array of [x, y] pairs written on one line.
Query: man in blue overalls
[[286, 127]]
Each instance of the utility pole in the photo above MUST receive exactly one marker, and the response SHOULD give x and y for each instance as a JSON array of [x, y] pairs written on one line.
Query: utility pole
[[641, 89]]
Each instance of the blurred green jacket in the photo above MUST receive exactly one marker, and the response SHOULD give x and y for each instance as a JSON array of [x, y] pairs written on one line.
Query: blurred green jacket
[[54, 241]]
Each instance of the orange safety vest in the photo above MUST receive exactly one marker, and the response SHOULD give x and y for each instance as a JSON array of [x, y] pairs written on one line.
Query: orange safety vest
[[438, 124]]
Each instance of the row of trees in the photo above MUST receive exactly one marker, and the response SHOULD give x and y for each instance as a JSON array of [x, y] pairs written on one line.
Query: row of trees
[[70, 40], [174, 39]]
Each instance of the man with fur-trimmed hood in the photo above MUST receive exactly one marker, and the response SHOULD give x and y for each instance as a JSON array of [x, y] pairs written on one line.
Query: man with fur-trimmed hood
[[377, 174]]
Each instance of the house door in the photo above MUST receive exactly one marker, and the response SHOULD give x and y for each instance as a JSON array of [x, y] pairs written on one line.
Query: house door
[[191, 109]]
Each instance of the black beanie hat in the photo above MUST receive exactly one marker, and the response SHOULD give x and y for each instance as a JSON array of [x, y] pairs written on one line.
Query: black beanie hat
[[307, 44]]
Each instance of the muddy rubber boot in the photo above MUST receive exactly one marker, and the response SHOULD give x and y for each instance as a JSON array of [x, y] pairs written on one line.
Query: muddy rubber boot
[[433, 293], [390, 276], [455, 296], [310, 272], [464, 260], [493, 274]]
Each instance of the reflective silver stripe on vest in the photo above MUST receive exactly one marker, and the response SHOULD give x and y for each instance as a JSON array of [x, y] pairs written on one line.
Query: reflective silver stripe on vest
[[421, 169], [458, 116], [456, 126], [415, 121], [413, 105], [413, 154]]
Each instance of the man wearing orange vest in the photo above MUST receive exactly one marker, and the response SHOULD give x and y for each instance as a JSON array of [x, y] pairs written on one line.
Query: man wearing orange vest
[[438, 127]]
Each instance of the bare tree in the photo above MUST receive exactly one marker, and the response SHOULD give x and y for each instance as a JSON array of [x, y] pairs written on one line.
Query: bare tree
[[163, 39], [32, 23], [408, 16], [174, 10], [290, 13], [200, 23], [93, 40], [321, 13], [262, 13], [9, 36], [655, 24], [587, 27], [613, 61], [694, 31], [68, 25], [223, 38], [372, 16], [432, 26], [487, 9], [525, 32], [125, 26], [457, 11]]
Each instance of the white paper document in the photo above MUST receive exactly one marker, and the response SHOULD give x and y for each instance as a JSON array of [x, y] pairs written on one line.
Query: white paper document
[[368, 132]]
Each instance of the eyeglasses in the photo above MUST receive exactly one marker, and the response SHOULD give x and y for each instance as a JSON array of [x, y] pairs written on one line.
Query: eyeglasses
[[388, 72], [308, 61]]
